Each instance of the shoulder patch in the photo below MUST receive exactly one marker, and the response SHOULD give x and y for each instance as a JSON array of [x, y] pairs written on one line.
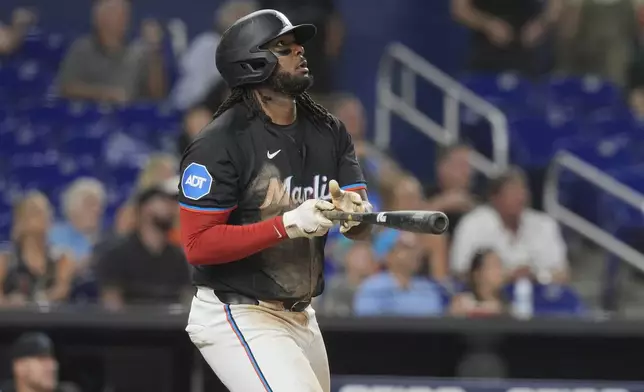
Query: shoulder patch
[[196, 181]]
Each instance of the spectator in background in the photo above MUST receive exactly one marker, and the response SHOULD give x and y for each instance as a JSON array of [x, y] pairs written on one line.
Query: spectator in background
[[102, 66], [83, 206], [326, 47], [359, 264], [375, 163], [32, 271], [483, 294], [144, 267], [452, 192], [12, 35], [193, 122], [597, 37], [198, 73], [636, 88], [158, 169], [404, 192], [34, 366], [202, 99], [528, 242], [506, 33], [399, 291]]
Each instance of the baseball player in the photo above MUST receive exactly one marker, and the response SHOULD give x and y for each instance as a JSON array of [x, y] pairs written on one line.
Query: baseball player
[[252, 194]]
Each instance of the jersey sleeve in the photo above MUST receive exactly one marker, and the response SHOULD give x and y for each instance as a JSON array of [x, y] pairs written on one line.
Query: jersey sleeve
[[350, 175], [209, 176]]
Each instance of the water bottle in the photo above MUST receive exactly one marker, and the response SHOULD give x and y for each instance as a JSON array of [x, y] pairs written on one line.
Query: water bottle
[[523, 305]]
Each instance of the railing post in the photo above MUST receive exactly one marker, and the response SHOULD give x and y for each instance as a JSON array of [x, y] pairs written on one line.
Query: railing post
[[552, 206], [408, 86], [451, 116], [405, 106]]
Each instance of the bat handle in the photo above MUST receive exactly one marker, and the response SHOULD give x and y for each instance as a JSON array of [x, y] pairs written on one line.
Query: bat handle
[[336, 215]]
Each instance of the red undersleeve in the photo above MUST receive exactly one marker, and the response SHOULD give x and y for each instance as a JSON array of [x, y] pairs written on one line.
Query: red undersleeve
[[207, 239]]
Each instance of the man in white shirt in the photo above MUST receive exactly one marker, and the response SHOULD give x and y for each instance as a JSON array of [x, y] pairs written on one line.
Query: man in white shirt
[[529, 242]]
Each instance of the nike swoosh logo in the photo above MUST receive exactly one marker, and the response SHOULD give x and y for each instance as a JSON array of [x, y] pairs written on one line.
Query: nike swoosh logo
[[271, 156], [279, 235]]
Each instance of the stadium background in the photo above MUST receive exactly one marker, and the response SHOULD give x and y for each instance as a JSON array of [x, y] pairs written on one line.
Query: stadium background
[[130, 349]]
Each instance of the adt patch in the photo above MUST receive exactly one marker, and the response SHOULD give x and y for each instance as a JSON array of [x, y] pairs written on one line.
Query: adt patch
[[196, 181]]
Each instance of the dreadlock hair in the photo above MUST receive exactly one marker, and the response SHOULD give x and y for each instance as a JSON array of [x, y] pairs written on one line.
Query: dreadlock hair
[[243, 94]]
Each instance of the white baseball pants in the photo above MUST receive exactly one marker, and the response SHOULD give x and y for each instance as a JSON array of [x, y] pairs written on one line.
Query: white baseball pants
[[257, 348]]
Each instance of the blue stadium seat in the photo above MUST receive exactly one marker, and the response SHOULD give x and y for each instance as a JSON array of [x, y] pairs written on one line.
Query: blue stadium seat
[[586, 94], [71, 167], [52, 113], [138, 113], [123, 175], [34, 79], [615, 214], [533, 140], [604, 153], [48, 48], [607, 123], [36, 171], [5, 224], [552, 300], [82, 144], [505, 88], [22, 139]]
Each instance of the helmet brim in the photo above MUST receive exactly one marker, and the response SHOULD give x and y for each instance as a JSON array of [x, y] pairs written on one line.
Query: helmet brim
[[303, 33]]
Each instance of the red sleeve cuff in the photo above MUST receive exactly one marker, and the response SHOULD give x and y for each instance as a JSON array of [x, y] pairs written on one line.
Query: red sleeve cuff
[[279, 226]]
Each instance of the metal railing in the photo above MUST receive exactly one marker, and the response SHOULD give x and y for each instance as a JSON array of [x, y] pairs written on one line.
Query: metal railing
[[455, 96], [570, 162]]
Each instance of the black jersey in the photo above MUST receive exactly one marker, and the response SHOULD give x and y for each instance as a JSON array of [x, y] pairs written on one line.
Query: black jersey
[[258, 171]]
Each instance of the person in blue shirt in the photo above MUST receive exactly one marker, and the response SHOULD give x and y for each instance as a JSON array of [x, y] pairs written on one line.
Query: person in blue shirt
[[83, 205], [399, 291]]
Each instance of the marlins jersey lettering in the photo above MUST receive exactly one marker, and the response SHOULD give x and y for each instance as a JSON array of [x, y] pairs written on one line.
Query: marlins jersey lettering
[[256, 171]]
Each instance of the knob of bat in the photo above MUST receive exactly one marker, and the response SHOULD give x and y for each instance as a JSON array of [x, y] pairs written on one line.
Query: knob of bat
[[439, 222]]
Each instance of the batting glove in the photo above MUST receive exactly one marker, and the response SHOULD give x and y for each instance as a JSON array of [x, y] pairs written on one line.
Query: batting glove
[[347, 201], [307, 219]]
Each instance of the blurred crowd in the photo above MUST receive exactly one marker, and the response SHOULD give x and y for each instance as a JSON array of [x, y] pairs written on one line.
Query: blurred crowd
[[499, 257], [603, 38]]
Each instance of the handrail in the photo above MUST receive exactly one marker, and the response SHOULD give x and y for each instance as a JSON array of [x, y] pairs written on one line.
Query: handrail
[[455, 95], [566, 160]]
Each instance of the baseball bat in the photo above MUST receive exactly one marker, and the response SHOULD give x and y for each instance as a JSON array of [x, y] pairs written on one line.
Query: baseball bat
[[427, 222]]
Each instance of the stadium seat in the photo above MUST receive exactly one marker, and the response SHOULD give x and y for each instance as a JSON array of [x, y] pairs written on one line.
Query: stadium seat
[[83, 144], [611, 123], [603, 152], [552, 300], [585, 94], [36, 171], [139, 113], [47, 48], [506, 90], [533, 140], [22, 139], [614, 213]]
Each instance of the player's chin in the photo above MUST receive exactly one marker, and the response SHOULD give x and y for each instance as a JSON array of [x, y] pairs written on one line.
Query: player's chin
[[306, 80]]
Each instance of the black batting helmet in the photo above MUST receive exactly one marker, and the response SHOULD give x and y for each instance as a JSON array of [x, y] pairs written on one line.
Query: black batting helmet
[[240, 57]]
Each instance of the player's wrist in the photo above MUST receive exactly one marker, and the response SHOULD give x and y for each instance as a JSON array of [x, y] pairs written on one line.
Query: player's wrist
[[278, 223]]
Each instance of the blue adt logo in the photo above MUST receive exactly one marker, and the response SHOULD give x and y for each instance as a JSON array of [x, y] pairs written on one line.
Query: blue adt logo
[[196, 181]]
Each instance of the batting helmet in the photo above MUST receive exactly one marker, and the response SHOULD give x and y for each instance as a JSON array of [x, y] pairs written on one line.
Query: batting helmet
[[240, 57]]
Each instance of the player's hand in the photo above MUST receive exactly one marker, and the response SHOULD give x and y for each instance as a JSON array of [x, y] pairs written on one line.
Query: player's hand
[[346, 201], [307, 219]]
